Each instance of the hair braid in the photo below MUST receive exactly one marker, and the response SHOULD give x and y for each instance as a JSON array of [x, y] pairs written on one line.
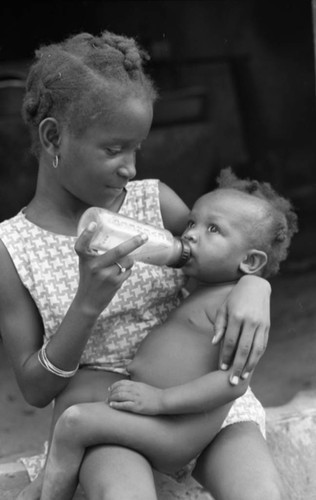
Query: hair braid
[[74, 79]]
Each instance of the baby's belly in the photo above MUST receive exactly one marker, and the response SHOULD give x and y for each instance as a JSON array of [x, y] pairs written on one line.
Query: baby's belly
[[169, 357]]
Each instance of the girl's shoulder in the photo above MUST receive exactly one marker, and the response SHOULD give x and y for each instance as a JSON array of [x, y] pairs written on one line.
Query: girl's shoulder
[[142, 201], [10, 228], [144, 188], [152, 201]]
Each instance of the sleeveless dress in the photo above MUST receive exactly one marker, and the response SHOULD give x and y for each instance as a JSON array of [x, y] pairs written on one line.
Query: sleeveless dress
[[48, 267]]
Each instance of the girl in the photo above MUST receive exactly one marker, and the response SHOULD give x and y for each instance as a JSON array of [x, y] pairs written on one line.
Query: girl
[[243, 228], [89, 106]]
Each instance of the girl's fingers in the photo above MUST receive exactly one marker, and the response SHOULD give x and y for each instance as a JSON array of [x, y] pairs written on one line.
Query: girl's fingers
[[240, 356], [257, 349], [229, 343], [220, 324], [82, 245], [117, 253], [249, 348]]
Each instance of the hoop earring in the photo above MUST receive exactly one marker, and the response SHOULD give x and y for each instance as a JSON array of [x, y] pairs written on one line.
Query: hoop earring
[[55, 161]]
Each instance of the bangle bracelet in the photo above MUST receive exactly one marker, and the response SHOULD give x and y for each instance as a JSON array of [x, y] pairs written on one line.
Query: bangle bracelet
[[44, 361]]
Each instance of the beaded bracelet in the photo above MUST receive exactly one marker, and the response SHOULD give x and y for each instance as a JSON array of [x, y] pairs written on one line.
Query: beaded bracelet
[[44, 361]]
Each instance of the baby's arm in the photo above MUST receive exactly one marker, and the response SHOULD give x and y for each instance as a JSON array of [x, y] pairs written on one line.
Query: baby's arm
[[205, 393]]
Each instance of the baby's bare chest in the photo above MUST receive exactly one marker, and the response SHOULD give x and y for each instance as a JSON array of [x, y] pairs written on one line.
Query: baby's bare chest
[[174, 354], [181, 349]]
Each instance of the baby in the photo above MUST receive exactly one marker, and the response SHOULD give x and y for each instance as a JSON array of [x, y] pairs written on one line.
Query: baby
[[176, 399]]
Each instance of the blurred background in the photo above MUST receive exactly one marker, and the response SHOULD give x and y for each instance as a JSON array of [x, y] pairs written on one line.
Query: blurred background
[[237, 87]]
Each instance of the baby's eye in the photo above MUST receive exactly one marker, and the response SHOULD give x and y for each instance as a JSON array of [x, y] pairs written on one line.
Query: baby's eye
[[190, 224], [212, 228]]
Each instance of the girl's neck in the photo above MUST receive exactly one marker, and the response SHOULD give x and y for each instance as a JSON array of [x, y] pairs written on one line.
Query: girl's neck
[[58, 212], [52, 208], [52, 216]]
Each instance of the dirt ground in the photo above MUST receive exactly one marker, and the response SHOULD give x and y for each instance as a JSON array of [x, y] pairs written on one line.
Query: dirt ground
[[287, 367]]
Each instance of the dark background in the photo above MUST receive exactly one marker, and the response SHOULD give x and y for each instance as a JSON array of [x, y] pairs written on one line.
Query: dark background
[[236, 80]]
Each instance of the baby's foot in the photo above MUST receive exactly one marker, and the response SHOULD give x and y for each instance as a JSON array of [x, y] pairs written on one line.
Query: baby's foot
[[33, 490]]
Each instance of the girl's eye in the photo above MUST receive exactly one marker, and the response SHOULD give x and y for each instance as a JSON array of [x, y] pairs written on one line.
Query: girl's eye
[[117, 150], [112, 151], [212, 228], [190, 224]]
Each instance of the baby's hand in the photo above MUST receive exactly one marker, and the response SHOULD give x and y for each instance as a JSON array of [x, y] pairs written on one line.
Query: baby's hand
[[135, 397]]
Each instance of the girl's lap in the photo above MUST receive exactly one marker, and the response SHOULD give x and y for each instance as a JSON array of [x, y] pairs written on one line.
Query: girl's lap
[[237, 464], [114, 473]]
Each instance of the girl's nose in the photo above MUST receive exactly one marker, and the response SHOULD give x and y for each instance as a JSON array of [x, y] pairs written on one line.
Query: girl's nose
[[128, 167]]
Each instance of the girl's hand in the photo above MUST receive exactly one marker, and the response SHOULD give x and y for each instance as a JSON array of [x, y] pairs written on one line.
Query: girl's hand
[[243, 322], [101, 275], [135, 397]]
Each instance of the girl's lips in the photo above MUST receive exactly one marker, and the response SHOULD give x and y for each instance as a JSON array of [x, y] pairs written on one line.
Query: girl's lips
[[114, 188]]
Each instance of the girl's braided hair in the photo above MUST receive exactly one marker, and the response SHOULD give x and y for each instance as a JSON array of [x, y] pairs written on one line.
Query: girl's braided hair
[[274, 233], [75, 79]]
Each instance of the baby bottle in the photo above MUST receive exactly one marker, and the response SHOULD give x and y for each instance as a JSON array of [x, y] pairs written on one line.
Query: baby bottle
[[161, 248]]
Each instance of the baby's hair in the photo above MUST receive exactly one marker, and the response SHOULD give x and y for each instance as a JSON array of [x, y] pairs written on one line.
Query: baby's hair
[[74, 79], [274, 234]]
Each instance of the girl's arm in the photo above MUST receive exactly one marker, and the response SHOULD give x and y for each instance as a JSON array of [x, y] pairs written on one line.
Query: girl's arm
[[174, 211], [202, 394], [22, 328]]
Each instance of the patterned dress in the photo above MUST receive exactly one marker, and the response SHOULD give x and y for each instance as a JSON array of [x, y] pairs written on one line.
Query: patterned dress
[[48, 267]]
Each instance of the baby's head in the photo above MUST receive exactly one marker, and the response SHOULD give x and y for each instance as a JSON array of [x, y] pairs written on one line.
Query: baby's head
[[83, 78], [242, 227]]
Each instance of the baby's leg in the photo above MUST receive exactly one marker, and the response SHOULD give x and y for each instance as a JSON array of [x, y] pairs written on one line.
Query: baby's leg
[[106, 474], [64, 459], [86, 386], [110, 472], [169, 442]]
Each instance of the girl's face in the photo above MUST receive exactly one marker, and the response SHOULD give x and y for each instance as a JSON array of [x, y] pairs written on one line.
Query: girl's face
[[218, 233], [96, 166]]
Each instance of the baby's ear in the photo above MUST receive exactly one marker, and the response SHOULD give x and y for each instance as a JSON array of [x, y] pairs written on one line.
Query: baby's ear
[[253, 262]]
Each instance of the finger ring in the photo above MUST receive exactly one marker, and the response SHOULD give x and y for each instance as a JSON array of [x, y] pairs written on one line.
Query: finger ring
[[121, 268]]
